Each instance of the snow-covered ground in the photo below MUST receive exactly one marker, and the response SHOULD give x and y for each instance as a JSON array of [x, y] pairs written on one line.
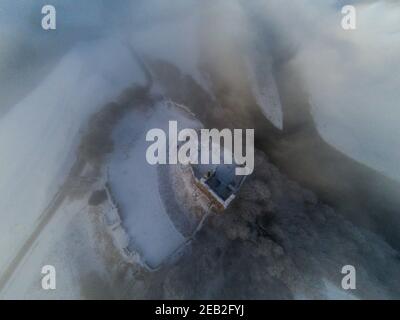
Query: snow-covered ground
[[134, 184], [67, 243], [352, 79], [39, 135], [265, 90], [75, 239]]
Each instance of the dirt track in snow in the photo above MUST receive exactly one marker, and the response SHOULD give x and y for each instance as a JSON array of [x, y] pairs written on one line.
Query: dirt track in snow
[[44, 219]]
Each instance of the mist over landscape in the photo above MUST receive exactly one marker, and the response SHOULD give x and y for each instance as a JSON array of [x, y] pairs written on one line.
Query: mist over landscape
[[77, 193]]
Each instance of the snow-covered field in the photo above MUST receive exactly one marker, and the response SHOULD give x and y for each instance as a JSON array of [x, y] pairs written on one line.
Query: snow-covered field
[[39, 135], [352, 79], [265, 91], [68, 244], [134, 184]]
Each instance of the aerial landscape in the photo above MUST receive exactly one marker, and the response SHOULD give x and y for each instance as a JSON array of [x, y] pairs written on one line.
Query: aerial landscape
[[199, 149]]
